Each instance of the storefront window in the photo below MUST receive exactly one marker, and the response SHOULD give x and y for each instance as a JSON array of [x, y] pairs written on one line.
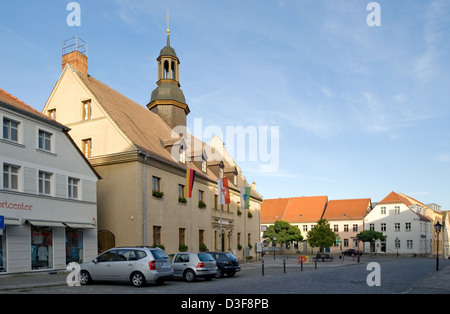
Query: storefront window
[[2, 252], [41, 248], [74, 245]]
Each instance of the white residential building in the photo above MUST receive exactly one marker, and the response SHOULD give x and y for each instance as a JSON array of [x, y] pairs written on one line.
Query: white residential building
[[407, 231], [47, 193]]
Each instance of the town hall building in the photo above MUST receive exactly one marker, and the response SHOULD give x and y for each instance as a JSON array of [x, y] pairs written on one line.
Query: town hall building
[[143, 162]]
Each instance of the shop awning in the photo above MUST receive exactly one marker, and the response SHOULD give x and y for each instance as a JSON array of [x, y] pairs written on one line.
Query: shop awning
[[79, 225], [39, 223], [12, 222]]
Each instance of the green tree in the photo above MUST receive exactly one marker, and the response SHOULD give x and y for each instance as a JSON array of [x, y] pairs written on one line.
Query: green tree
[[371, 236], [321, 235], [284, 232]]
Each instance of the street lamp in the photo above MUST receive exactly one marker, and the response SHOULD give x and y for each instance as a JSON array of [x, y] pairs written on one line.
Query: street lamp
[[437, 227], [274, 244], [397, 241]]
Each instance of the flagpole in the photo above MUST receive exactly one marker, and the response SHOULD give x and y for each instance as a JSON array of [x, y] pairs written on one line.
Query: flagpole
[[221, 235], [190, 235]]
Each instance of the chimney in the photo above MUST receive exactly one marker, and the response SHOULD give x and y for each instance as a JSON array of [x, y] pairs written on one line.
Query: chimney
[[74, 52]]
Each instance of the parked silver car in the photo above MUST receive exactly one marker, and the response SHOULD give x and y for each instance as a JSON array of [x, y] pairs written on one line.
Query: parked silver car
[[137, 265], [191, 266]]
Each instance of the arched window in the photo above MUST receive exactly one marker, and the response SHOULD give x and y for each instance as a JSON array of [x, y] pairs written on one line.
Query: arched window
[[166, 69]]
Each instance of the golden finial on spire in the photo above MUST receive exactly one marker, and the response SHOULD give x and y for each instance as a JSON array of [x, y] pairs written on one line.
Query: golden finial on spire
[[167, 18]]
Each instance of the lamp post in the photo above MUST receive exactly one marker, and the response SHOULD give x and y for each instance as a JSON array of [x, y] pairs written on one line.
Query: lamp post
[[397, 241], [437, 227], [274, 246]]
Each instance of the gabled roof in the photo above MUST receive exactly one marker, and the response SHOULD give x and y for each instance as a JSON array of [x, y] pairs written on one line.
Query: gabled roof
[[394, 198], [399, 198], [145, 130], [347, 209], [17, 104], [294, 209]]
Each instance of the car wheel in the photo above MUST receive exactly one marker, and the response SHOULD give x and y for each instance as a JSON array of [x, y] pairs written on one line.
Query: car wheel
[[231, 273], [137, 279], [189, 275], [85, 278], [218, 273]]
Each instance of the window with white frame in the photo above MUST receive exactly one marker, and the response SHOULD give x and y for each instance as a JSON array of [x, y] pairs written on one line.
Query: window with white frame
[[73, 187], [397, 210], [10, 130], [45, 140], [10, 177], [408, 226], [383, 226], [409, 244], [397, 227], [383, 210], [355, 227], [45, 180]]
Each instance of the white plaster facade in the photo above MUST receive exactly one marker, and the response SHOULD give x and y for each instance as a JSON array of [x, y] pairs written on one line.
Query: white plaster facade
[[47, 194]]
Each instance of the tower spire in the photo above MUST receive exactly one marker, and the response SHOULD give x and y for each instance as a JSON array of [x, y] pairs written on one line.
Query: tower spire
[[168, 29]]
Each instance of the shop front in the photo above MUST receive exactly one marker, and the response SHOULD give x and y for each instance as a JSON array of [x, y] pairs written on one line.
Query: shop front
[[47, 236]]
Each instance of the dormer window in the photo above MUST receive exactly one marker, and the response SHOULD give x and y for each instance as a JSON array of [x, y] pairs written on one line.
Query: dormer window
[[52, 113], [204, 165], [182, 154]]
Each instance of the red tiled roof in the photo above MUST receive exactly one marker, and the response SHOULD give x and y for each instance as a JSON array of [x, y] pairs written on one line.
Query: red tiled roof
[[17, 103], [273, 209], [347, 209], [294, 209], [394, 198]]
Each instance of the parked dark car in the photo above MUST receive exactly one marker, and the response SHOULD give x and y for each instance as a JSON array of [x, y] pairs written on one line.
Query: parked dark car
[[352, 252], [227, 263]]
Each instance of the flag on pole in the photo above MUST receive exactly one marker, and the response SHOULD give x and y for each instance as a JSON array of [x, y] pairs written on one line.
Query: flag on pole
[[190, 177], [224, 192], [245, 197]]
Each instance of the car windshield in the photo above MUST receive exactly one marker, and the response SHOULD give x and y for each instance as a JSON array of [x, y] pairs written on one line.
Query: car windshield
[[158, 254], [230, 256], [205, 257]]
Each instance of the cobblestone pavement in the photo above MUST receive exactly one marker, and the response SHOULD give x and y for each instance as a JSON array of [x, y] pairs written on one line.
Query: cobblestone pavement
[[434, 282]]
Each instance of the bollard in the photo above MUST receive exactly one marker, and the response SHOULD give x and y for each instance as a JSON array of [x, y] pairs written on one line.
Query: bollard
[[315, 263], [284, 266], [262, 267], [301, 265]]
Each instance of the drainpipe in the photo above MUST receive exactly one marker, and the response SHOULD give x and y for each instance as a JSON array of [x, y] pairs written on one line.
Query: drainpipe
[[144, 197]]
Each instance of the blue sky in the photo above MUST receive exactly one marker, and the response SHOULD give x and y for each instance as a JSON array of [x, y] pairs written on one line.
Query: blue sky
[[362, 111]]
